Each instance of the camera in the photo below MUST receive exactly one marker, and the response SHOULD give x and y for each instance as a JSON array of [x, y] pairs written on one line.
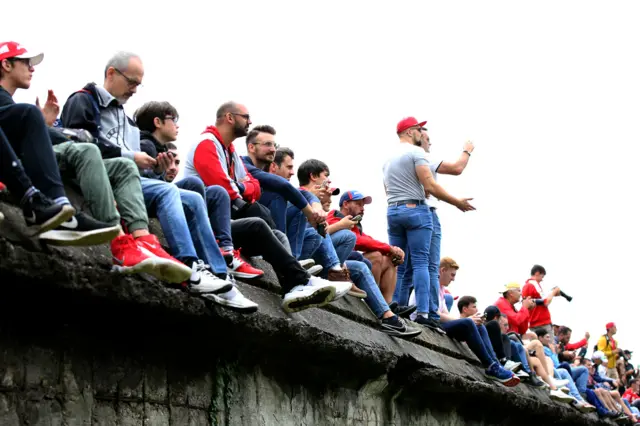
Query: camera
[[565, 295]]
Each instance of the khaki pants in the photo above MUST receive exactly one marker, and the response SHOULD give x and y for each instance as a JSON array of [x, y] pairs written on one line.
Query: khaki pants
[[613, 373]]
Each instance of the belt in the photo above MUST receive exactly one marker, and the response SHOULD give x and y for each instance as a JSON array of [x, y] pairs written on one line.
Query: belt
[[403, 202]]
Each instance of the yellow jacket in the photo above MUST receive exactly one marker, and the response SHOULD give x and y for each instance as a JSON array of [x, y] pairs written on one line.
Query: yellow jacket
[[607, 348]]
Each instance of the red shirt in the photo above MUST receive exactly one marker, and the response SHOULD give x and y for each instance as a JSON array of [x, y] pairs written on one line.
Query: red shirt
[[630, 396], [364, 242], [540, 315], [518, 320]]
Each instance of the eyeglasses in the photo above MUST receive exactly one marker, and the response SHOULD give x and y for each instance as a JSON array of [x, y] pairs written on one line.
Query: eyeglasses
[[245, 116], [267, 144], [132, 83], [25, 61], [172, 118]]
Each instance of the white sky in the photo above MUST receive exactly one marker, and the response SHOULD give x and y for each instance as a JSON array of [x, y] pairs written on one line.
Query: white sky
[[548, 91]]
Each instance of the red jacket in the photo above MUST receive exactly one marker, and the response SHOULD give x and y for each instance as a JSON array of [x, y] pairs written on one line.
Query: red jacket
[[540, 315], [630, 395], [518, 320], [216, 164], [364, 242], [577, 345]]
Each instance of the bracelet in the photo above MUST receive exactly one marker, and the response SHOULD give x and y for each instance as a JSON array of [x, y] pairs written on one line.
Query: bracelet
[[468, 153]]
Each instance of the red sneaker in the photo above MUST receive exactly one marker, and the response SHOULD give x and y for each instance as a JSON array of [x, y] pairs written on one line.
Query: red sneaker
[[2, 187], [238, 267], [150, 242], [130, 258]]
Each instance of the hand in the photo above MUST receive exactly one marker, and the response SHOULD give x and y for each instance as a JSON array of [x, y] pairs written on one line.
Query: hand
[[320, 214], [313, 217], [163, 162], [587, 335], [616, 383], [144, 160], [463, 204], [477, 319], [468, 146], [347, 223], [396, 252], [556, 291], [528, 303], [51, 108]]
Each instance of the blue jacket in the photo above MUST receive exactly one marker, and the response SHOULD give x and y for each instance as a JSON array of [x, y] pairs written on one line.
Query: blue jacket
[[277, 184]]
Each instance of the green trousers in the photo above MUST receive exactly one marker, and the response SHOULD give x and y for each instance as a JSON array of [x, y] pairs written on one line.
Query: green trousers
[[104, 181]]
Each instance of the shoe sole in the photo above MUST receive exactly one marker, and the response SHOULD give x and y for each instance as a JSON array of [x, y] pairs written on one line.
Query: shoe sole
[[63, 215], [407, 312], [357, 294], [314, 270], [513, 381], [436, 329], [244, 274], [308, 264], [78, 238], [320, 297], [559, 399], [223, 289], [228, 304], [396, 333], [163, 269]]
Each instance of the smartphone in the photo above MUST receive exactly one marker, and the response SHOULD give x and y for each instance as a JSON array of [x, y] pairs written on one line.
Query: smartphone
[[357, 218]]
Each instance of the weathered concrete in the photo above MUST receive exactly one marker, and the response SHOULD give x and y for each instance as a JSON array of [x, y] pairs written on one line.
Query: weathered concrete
[[80, 345]]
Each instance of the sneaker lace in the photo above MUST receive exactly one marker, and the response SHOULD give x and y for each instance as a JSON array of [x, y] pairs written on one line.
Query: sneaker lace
[[236, 255], [203, 268]]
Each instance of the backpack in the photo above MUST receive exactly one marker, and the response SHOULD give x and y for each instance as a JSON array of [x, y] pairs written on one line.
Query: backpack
[[96, 110]]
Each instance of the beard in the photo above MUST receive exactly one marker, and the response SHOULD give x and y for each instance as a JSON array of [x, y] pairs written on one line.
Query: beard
[[240, 131]]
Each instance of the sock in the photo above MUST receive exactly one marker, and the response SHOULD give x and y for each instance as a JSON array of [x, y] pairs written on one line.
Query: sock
[[424, 315], [227, 249], [62, 201], [30, 193], [336, 268]]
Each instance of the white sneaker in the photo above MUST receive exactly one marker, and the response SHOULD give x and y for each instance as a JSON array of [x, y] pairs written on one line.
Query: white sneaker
[[342, 288], [233, 299], [583, 406], [560, 382], [561, 396], [317, 292], [315, 270], [203, 281], [512, 366], [522, 374], [307, 263]]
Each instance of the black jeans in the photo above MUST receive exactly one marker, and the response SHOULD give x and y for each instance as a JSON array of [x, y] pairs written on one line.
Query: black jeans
[[11, 172], [28, 134], [255, 238], [499, 341]]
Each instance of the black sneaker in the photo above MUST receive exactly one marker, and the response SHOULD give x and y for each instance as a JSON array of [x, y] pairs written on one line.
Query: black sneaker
[[535, 382], [81, 230], [394, 326], [430, 323], [402, 311], [42, 214]]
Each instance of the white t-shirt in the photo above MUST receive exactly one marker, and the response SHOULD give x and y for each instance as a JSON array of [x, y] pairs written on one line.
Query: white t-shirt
[[434, 164]]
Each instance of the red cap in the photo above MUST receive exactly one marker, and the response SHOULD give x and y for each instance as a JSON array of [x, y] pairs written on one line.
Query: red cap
[[11, 49], [334, 191], [610, 325], [405, 123]]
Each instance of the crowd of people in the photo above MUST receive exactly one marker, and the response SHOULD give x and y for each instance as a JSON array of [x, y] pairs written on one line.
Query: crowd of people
[[228, 208]]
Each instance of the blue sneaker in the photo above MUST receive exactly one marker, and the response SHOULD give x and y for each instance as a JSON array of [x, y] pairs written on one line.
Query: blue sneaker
[[506, 377]]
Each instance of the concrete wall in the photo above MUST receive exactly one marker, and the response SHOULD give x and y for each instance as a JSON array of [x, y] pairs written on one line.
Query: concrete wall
[[80, 345]]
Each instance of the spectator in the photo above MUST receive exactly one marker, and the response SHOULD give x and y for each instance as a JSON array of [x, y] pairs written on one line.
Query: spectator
[[277, 191], [158, 126], [545, 338], [40, 212], [407, 179], [383, 257], [609, 346], [174, 165], [631, 394], [472, 331], [313, 177], [629, 372], [437, 166], [100, 111], [540, 315], [25, 128], [215, 161], [518, 320], [563, 337], [300, 289]]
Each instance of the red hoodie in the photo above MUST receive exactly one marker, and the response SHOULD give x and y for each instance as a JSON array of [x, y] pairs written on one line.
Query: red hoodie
[[364, 242], [216, 164], [518, 320]]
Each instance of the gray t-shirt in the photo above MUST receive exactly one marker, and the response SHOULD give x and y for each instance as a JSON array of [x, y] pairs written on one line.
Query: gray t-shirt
[[434, 164], [400, 176]]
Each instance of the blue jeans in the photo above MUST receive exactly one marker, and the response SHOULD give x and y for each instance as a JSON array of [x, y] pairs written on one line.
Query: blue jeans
[[564, 374], [312, 241], [344, 241], [362, 277], [580, 376], [477, 338], [356, 255], [295, 230], [183, 218], [410, 229], [326, 255], [218, 207], [278, 207], [434, 266], [519, 354]]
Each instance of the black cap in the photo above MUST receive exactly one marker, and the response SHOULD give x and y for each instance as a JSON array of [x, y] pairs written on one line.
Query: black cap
[[492, 312]]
